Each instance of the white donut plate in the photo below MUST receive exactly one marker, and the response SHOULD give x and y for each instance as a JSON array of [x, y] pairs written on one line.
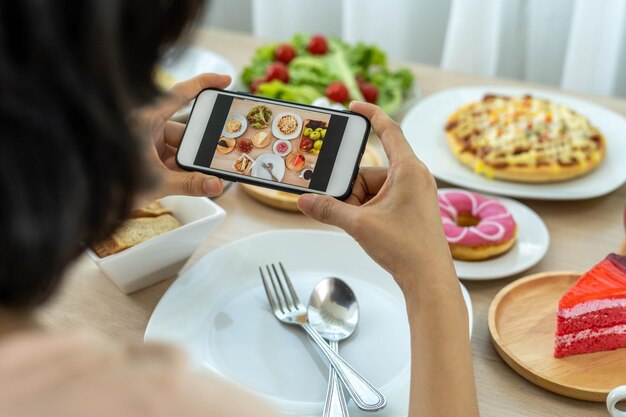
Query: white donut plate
[[531, 246]]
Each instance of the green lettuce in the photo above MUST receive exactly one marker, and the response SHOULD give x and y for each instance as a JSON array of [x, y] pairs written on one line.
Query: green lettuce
[[339, 65], [300, 94], [263, 58], [312, 71], [392, 88], [300, 41], [365, 57]]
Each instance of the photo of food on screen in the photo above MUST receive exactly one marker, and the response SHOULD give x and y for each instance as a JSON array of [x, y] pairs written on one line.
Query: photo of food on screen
[[272, 142]]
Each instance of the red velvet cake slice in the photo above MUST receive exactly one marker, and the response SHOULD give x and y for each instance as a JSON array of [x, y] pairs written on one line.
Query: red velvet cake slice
[[592, 314]]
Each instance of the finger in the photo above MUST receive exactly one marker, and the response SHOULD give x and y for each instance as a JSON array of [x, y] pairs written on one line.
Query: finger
[[169, 152], [327, 210], [173, 133], [192, 184], [373, 178], [182, 93], [367, 184], [171, 164], [391, 135]]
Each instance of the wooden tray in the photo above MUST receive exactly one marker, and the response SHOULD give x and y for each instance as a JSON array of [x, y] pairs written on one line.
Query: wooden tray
[[287, 201], [522, 322]]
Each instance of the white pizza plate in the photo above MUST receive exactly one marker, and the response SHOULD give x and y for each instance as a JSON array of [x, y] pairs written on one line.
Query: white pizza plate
[[280, 135], [424, 125], [531, 246], [244, 126], [218, 312]]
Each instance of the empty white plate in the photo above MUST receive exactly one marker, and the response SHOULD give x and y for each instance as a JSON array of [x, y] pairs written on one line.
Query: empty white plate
[[278, 167], [193, 61], [217, 310], [531, 246], [425, 122]]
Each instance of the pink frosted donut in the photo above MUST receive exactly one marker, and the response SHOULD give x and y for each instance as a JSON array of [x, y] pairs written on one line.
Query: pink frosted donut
[[494, 232]]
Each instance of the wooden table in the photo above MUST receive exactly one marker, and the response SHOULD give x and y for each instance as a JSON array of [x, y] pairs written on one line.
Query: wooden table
[[582, 233]]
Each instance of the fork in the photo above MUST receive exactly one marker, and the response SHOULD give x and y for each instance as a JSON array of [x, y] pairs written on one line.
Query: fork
[[269, 167], [288, 309]]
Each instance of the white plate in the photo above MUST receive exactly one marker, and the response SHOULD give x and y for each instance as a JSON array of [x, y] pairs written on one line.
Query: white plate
[[244, 126], [284, 153], [278, 134], [424, 125], [278, 167], [217, 310], [531, 246], [195, 61]]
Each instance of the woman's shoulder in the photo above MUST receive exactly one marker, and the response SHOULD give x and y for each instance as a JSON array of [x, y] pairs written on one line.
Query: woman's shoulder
[[83, 374]]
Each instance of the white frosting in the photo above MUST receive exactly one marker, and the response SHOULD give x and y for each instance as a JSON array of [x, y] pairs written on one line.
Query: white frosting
[[590, 307], [588, 333]]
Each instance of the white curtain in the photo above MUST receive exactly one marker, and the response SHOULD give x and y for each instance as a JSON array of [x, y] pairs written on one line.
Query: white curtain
[[279, 19], [579, 45], [596, 52]]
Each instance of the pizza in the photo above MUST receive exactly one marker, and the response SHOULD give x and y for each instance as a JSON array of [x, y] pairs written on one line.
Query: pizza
[[525, 139]]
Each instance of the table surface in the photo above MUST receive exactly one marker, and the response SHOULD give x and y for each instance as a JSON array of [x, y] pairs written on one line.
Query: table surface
[[582, 233]]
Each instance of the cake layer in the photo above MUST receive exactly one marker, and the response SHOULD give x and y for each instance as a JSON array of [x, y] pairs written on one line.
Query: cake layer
[[593, 320], [588, 341], [591, 306], [590, 345]]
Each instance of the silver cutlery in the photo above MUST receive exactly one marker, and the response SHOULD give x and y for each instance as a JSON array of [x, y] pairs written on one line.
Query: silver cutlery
[[334, 312], [288, 309], [269, 167]]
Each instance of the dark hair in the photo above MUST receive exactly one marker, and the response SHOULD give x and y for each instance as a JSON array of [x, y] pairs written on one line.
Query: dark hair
[[71, 73]]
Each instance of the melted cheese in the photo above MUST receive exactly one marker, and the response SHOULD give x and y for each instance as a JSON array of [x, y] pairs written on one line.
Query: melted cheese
[[526, 131]]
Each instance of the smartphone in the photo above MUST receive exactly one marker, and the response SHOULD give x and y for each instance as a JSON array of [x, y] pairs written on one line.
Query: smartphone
[[272, 143]]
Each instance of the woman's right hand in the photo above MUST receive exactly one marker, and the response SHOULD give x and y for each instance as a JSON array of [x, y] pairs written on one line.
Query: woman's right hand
[[393, 214]]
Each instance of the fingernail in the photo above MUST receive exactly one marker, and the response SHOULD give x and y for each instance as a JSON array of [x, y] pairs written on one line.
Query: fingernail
[[305, 203], [212, 187]]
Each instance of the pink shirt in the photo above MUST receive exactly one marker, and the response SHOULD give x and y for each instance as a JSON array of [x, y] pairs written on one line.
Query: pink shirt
[[82, 375]]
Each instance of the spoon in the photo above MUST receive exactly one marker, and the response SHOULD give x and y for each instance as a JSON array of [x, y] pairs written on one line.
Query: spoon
[[334, 312]]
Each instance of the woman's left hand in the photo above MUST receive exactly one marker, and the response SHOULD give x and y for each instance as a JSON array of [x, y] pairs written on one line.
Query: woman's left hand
[[166, 135]]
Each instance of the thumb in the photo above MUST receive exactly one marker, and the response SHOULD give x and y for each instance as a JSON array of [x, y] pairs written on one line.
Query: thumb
[[193, 184], [327, 210]]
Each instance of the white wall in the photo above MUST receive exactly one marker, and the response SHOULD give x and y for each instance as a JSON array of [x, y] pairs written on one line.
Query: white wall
[[229, 14]]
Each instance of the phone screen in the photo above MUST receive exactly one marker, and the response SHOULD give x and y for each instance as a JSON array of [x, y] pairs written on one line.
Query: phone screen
[[271, 141]]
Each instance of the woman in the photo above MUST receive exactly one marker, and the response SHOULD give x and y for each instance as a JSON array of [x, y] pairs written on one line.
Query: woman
[[72, 165]]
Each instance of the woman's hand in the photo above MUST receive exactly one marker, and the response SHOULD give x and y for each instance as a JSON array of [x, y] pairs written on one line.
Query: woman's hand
[[394, 216], [393, 213], [166, 136]]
